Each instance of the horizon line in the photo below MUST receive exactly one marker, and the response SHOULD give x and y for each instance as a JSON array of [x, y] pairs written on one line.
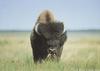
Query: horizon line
[[31, 30]]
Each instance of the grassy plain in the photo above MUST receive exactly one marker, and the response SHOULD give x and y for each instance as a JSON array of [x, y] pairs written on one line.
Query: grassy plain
[[81, 53]]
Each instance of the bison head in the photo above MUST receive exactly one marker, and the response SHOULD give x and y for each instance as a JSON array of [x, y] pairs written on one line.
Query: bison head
[[54, 35]]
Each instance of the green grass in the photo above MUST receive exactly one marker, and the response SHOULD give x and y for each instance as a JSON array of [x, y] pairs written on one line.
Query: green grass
[[79, 54]]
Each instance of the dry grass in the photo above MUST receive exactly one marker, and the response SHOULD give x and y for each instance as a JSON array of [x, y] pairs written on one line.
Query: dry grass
[[80, 53]]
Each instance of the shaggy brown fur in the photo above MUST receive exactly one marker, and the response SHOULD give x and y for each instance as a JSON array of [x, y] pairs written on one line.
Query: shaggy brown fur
[[45, 17]]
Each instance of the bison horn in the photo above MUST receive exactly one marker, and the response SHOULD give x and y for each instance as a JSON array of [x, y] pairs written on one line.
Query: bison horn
[[36, 29], [64, 31]]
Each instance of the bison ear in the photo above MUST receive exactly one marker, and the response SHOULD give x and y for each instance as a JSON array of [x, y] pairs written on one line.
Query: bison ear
[[59, 28]]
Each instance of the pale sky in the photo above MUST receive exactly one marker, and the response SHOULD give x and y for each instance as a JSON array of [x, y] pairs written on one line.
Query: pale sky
[[76, 14]]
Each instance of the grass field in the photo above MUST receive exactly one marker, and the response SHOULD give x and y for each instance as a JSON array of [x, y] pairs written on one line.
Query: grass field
[[81, 53]]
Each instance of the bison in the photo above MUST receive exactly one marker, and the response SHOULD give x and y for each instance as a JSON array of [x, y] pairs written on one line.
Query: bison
[[47, 38]]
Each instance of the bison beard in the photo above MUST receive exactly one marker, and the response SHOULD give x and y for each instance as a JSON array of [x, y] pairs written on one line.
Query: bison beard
[[47, 41]]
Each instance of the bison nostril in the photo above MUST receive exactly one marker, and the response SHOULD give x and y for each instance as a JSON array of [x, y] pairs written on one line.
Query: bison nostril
[[51, 51]]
